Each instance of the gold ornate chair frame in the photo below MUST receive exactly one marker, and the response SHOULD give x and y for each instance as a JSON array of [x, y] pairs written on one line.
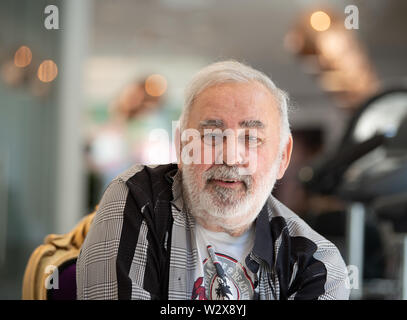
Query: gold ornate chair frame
[[56, 250]]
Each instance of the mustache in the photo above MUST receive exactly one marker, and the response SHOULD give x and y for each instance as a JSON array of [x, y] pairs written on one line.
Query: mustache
[[227, 173]]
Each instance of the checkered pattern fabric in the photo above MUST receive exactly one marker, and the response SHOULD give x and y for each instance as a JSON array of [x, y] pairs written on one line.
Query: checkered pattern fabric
[[141, 245]]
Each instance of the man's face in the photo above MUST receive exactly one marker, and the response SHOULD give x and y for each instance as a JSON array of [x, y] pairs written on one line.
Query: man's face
[[241, 109]]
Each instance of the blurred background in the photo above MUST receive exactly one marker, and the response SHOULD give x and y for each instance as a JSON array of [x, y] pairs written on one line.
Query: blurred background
[[83, 83]]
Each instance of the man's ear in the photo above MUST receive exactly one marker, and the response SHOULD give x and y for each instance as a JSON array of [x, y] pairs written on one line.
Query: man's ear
[[285, 157], [177, 139]]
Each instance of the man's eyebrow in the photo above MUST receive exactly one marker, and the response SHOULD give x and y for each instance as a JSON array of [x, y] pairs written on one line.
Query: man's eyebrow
[[211, 123], [252, 124]]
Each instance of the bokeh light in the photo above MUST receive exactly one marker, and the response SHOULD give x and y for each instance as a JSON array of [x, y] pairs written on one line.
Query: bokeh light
[[23, 57], [156, 85], [320, 21], [47, 71]]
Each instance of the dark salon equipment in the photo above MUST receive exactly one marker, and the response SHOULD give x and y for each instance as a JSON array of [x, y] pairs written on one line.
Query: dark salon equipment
[[369, 172]]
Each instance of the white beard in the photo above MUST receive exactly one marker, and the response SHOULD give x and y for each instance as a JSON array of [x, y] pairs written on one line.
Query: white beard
[[220, 206]]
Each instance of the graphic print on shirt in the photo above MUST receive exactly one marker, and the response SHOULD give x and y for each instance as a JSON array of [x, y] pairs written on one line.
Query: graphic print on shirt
[[198, 291], [224, 279]]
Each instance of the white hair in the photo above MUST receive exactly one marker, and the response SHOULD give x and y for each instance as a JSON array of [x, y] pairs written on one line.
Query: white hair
[[233, 71]]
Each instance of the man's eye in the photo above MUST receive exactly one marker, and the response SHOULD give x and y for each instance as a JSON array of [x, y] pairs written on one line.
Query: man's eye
[[253, 141], [213, 139], [250, 139]]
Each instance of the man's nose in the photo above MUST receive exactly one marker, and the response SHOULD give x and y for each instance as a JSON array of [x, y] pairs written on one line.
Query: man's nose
[[234, 153]]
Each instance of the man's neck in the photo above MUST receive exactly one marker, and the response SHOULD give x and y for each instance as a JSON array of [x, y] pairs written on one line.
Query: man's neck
[[223, 227]]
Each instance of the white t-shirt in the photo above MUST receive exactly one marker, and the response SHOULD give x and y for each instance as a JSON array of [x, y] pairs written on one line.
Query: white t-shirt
[[221, 272]]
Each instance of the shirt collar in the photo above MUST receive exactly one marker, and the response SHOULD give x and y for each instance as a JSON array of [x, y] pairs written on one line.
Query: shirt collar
[[176, 178]]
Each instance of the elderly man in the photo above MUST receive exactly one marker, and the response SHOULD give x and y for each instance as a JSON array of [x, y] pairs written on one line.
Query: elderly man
[[208, 227]]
